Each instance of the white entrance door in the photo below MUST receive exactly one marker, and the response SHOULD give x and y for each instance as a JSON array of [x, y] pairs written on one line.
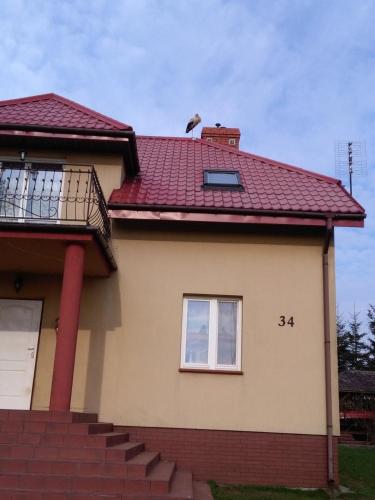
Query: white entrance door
[[19, 332]]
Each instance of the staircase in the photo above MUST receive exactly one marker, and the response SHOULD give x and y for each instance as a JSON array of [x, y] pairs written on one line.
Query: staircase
[[70, 456]]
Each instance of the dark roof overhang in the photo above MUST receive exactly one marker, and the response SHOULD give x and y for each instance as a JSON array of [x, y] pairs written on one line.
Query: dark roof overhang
[[123, 142]]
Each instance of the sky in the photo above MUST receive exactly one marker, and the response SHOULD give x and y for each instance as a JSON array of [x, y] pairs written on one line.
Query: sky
[[294, 75]]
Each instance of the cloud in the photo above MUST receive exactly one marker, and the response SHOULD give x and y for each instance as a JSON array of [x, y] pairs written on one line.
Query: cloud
[[294, 75]]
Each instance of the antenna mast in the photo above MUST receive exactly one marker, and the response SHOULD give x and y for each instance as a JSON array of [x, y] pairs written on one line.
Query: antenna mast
[[350, 162], [350, 158]]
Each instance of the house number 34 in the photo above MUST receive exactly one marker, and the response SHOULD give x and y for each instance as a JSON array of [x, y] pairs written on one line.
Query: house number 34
[[284, 321]]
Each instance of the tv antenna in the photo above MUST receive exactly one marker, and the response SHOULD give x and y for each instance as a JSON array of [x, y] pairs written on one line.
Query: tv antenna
[[350, 158]]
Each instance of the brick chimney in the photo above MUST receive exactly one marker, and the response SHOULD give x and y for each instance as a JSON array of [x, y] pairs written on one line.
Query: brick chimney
[[222, 135]]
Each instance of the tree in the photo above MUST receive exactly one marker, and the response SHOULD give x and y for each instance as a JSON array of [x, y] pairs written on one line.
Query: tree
[[371, 346], [343, 343], [357, 346]]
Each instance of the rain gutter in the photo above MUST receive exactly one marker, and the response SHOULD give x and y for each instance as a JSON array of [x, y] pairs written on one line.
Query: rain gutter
[[350, 219]]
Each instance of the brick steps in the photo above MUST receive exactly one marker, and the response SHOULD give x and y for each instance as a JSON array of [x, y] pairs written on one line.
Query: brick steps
[[72, 456], [87, 484], [47, 487], [182, 486], [140, 466], [161, 478], [124, 451], [113, 469], [201, 491], [47, 416], [12, 426], [71, 440]]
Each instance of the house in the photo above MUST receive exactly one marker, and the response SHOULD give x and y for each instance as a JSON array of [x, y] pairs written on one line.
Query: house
[[357, 406], [179, 290]]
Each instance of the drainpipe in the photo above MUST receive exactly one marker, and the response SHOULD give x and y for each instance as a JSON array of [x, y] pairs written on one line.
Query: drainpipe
[[327, 353]]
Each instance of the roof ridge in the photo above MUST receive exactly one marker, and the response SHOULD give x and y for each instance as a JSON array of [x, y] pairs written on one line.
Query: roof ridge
[[358, 371], [67, 102], [31, 98]]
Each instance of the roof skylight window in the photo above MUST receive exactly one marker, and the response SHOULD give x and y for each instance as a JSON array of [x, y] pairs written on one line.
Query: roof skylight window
[[222, 179]]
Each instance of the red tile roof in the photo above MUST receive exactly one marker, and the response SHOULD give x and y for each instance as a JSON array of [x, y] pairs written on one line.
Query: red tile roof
[[357, 381], [171, 175], [52, 110]]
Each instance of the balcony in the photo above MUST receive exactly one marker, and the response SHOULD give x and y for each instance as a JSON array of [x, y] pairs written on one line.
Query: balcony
[[53, 201], [57, 194]]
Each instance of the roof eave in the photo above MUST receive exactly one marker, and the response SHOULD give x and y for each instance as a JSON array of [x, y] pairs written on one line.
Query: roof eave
[[67, 130], [281, 217]]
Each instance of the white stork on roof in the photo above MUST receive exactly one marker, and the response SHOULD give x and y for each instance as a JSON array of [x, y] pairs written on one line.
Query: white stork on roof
[[193, 122]]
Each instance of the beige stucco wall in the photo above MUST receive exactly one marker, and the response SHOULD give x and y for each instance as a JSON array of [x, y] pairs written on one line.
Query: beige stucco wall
[[282, 388], [128, 352]]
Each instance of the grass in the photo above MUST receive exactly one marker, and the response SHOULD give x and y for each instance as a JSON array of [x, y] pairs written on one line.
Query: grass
[[357, 472]]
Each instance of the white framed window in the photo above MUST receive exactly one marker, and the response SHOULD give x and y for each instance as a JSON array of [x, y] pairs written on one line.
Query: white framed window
[[232, 142], [211, 333]]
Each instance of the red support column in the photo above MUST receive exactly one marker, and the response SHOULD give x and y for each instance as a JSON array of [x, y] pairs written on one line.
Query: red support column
[[66, 340]]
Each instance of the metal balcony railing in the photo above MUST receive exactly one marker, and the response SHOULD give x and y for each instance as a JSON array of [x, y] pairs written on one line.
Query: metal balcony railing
[[34, 192]]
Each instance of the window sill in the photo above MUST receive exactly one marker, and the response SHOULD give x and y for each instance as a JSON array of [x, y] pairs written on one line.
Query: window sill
[[200, 370]]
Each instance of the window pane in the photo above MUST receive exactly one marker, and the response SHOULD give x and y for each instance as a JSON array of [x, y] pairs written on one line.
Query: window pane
[[44, 190], [227, 178], [198, 314], [11, 185], [227, 329]]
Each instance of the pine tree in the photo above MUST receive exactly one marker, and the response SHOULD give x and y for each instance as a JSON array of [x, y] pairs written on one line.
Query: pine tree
[[343, 344], [357, 346], [371, 346]]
